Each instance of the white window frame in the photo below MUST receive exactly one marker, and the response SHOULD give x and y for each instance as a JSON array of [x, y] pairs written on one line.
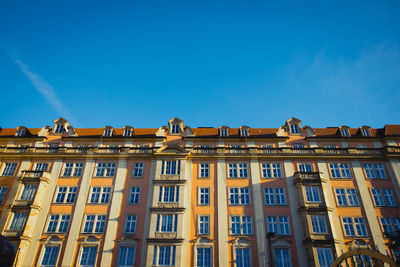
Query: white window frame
[[127, 132], [73, 169], [243, 220], [204, 197], [383, 197], [59, 128], [294, 128], [205, 260], [175, 129], [42, 166], [271, 170], [223, 132], [105, 169], [327, 259], [134, 191], [345, 132], [286, 262], [393, 223], [19, 225], [203, 224], [67, 195], [347, 196], [49, 262], [277, 196], [138, 169], [170, 167], [277, 224], [166, 220], [128, 223], [9, 169], [242, 196], [204, 170], [238, 170], [374, 170], [172, 256], [244, 132], [340, 170], [304, 167], [315, 195], [353, 225], [133, 257], [28, 195], [98, 220], [104, 192], [95, 253], [59, 223], [365, 132], [318, 224], [165, 196]]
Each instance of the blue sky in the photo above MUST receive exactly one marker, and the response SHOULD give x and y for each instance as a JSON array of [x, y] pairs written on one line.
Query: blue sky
[[210, 63]]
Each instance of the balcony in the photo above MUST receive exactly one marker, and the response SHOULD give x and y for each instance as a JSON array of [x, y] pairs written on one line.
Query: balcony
[[35, 176], [306, 177]]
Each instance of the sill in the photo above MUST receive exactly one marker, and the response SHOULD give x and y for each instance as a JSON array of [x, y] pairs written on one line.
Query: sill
[[348, 206], [62, 203], [341, 178], [98, 204], [271, 177], [203, 177], [135, 177], [238, 178]]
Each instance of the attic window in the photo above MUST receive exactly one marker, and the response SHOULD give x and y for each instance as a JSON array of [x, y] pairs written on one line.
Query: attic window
[[223, 132], [365, 132], [21, 132], [175, 128], [127, 132], [294, 129], [244, 132], [59, 128], [344, 132], [107, 132]]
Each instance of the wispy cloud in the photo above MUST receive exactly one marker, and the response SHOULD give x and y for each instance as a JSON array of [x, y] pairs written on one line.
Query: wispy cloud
[[41, 85]]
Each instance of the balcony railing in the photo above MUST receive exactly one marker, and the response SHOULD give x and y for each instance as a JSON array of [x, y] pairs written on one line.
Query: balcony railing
[[35, 174], [306, 177], [78, 150]]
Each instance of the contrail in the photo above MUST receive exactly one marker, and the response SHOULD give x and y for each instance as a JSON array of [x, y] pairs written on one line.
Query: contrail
[[41, 85]]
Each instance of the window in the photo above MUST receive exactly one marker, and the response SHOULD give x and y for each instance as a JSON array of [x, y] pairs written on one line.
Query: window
[[344, 132], [365, 132], [325, 258], [204, 224], [274, 196], [94, 223], [375, 170], [21, 132], [243, 257], [294, 128], [306, 167], [138, 169], [58, 223], [59, 128], [346, 197], [318, 224], [223, 132], [164, 255], [107, 132], [9, 169], [134, 196], [127, 132], [169, 194], [241, 225], [167, 223], [390, 225], [105, 169], [28, 193], [50, 256], [329, 146], [312, 194], [18, 221], [278, 225], [130, 224], [244, 132], [204, 258], [126, 256], [175, 128], [298, 146], [383, 197], [271, 170], [354, 226], [42, 166], [204, 170], [204, 195], [233, 170], [170, 167], [3, 193], [100, 195], [340, 170], [66, 194], [239, 196], [73, 169], [282, 257], [88, 256]]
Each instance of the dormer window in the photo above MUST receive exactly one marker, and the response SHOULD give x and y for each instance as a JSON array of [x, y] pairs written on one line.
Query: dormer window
[[294, 129], [59, 128], [223, 132], [175, 129], [107, 132], [244, 132], [21, 132], [345, 132], [127, 132], [365, 132]]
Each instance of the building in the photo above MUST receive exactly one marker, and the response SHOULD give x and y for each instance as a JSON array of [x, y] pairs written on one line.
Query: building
[[181, 196]]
